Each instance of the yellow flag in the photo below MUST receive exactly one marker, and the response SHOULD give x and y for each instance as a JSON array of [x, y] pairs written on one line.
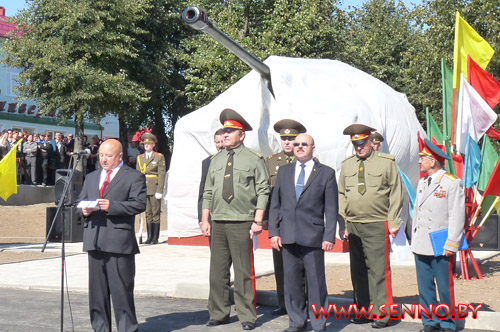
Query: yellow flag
[[8, 179], [468, 41]]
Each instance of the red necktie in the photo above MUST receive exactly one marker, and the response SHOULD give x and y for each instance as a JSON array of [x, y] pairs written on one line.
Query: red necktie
[[105, 184]]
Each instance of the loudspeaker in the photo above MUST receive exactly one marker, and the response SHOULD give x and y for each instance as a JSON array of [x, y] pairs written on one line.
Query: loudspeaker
[[73, 227], [62, 177], [488, 236]]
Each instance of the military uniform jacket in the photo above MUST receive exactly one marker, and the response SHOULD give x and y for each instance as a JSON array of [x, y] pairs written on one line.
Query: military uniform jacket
[[154, 168], [437, 206], [383, 199], [250, 182], [274, 162]]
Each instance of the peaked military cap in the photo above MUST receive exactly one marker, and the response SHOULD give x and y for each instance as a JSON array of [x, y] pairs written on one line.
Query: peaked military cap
[[431, 150], [359, 133], [148, 138], [232, 119], [289, 128], [377, 138]]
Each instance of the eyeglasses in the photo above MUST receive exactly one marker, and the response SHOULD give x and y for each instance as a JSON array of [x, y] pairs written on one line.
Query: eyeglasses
[[425, 157], [301, 143]]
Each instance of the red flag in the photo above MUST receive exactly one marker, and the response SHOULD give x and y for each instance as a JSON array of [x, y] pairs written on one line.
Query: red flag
[[493, 133], [421, 146], [485, 84], [421, 143], [493, 186], [458, 162]]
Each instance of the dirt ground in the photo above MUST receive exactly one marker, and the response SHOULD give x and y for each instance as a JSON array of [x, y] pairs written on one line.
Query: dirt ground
[[26, 224]]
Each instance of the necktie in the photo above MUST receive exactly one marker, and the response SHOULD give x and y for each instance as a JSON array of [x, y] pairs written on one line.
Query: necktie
[[105, 184], [361, 178], [227, 184], [300, 182], [429, 180]]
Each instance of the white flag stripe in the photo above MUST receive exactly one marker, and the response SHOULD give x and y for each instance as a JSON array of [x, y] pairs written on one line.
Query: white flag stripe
[[474, 115]]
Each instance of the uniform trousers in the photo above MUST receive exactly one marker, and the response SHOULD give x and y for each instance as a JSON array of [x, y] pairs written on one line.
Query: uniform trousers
[[152, 209], [369, 253], [231, 243], [431, 271], [112, 275], [300, 261]]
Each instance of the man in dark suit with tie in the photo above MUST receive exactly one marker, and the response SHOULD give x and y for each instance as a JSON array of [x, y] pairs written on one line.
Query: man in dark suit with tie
[[109, 237], [205, 164], [302, 223]]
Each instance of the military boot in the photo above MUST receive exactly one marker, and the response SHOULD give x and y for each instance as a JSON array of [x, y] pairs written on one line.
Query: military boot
[[156, 233], [150, 233]]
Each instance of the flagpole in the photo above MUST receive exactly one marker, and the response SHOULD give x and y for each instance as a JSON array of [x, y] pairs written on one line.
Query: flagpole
[[474, 217], [489, 211]]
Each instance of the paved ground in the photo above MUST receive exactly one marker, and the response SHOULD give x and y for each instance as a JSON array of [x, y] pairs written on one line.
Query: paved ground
[[171, 292], [28, 311]]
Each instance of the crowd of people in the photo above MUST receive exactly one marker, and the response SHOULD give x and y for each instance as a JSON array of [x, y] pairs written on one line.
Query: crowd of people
[[39, 155]]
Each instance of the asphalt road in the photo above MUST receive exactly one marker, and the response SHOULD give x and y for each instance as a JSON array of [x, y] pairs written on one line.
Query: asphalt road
[[33, 311]]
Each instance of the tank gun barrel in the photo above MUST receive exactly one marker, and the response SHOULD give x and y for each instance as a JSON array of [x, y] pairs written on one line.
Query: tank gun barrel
[[198, 19]]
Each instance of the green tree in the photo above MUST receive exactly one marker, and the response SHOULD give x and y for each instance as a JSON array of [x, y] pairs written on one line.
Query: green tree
[[73, 56], [296, 28], [159, 69], [384, 41]]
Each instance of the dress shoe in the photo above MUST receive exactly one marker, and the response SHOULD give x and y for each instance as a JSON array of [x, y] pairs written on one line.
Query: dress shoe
[[296, 329], [215, 322], [247, 325], [360, 320], [378, 324], [430, 328], [447, 329], [280, 311]]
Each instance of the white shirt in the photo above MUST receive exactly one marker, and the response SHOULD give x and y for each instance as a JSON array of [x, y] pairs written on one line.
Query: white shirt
[[307, 170], [112, 175], [149, 154]]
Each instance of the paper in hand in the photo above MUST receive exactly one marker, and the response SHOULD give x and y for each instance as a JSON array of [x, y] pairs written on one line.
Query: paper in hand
[[88, 205]]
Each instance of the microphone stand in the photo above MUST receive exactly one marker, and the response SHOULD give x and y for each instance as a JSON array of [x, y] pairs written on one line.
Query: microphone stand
[[61, 207]]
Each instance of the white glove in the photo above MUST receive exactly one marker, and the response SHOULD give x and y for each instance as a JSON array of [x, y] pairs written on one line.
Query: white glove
[[158, 195]]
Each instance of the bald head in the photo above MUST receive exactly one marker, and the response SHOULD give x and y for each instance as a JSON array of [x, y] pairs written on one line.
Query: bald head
[[303, 147], [110, 154]]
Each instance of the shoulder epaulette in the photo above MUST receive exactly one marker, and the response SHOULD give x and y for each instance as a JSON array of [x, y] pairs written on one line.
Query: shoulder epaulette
[[142, 154], [450, 176], [274, 155], [346, 159], [386, 155], [255, 152], [157, 152]]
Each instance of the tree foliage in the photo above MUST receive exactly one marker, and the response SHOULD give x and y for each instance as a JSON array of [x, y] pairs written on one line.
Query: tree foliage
[[295, 28], [137, 59], [73, 56]]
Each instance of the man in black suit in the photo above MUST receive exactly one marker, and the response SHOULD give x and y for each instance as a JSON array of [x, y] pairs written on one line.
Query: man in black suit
[[109, 237], [205, 164], [302, 223]]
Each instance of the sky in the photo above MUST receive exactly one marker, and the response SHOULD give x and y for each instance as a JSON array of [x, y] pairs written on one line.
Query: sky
[[13, 6]]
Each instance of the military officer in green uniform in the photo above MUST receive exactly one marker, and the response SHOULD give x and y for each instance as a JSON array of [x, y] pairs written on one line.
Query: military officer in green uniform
[[370, 201], [377, 139], [152, 164], [288, 130], [235, 196]]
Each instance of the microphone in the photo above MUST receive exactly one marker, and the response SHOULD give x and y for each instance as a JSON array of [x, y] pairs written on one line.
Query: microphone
[[84, 153]]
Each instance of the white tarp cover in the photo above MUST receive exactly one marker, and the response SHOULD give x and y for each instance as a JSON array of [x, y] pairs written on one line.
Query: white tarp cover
[[325, 95]]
